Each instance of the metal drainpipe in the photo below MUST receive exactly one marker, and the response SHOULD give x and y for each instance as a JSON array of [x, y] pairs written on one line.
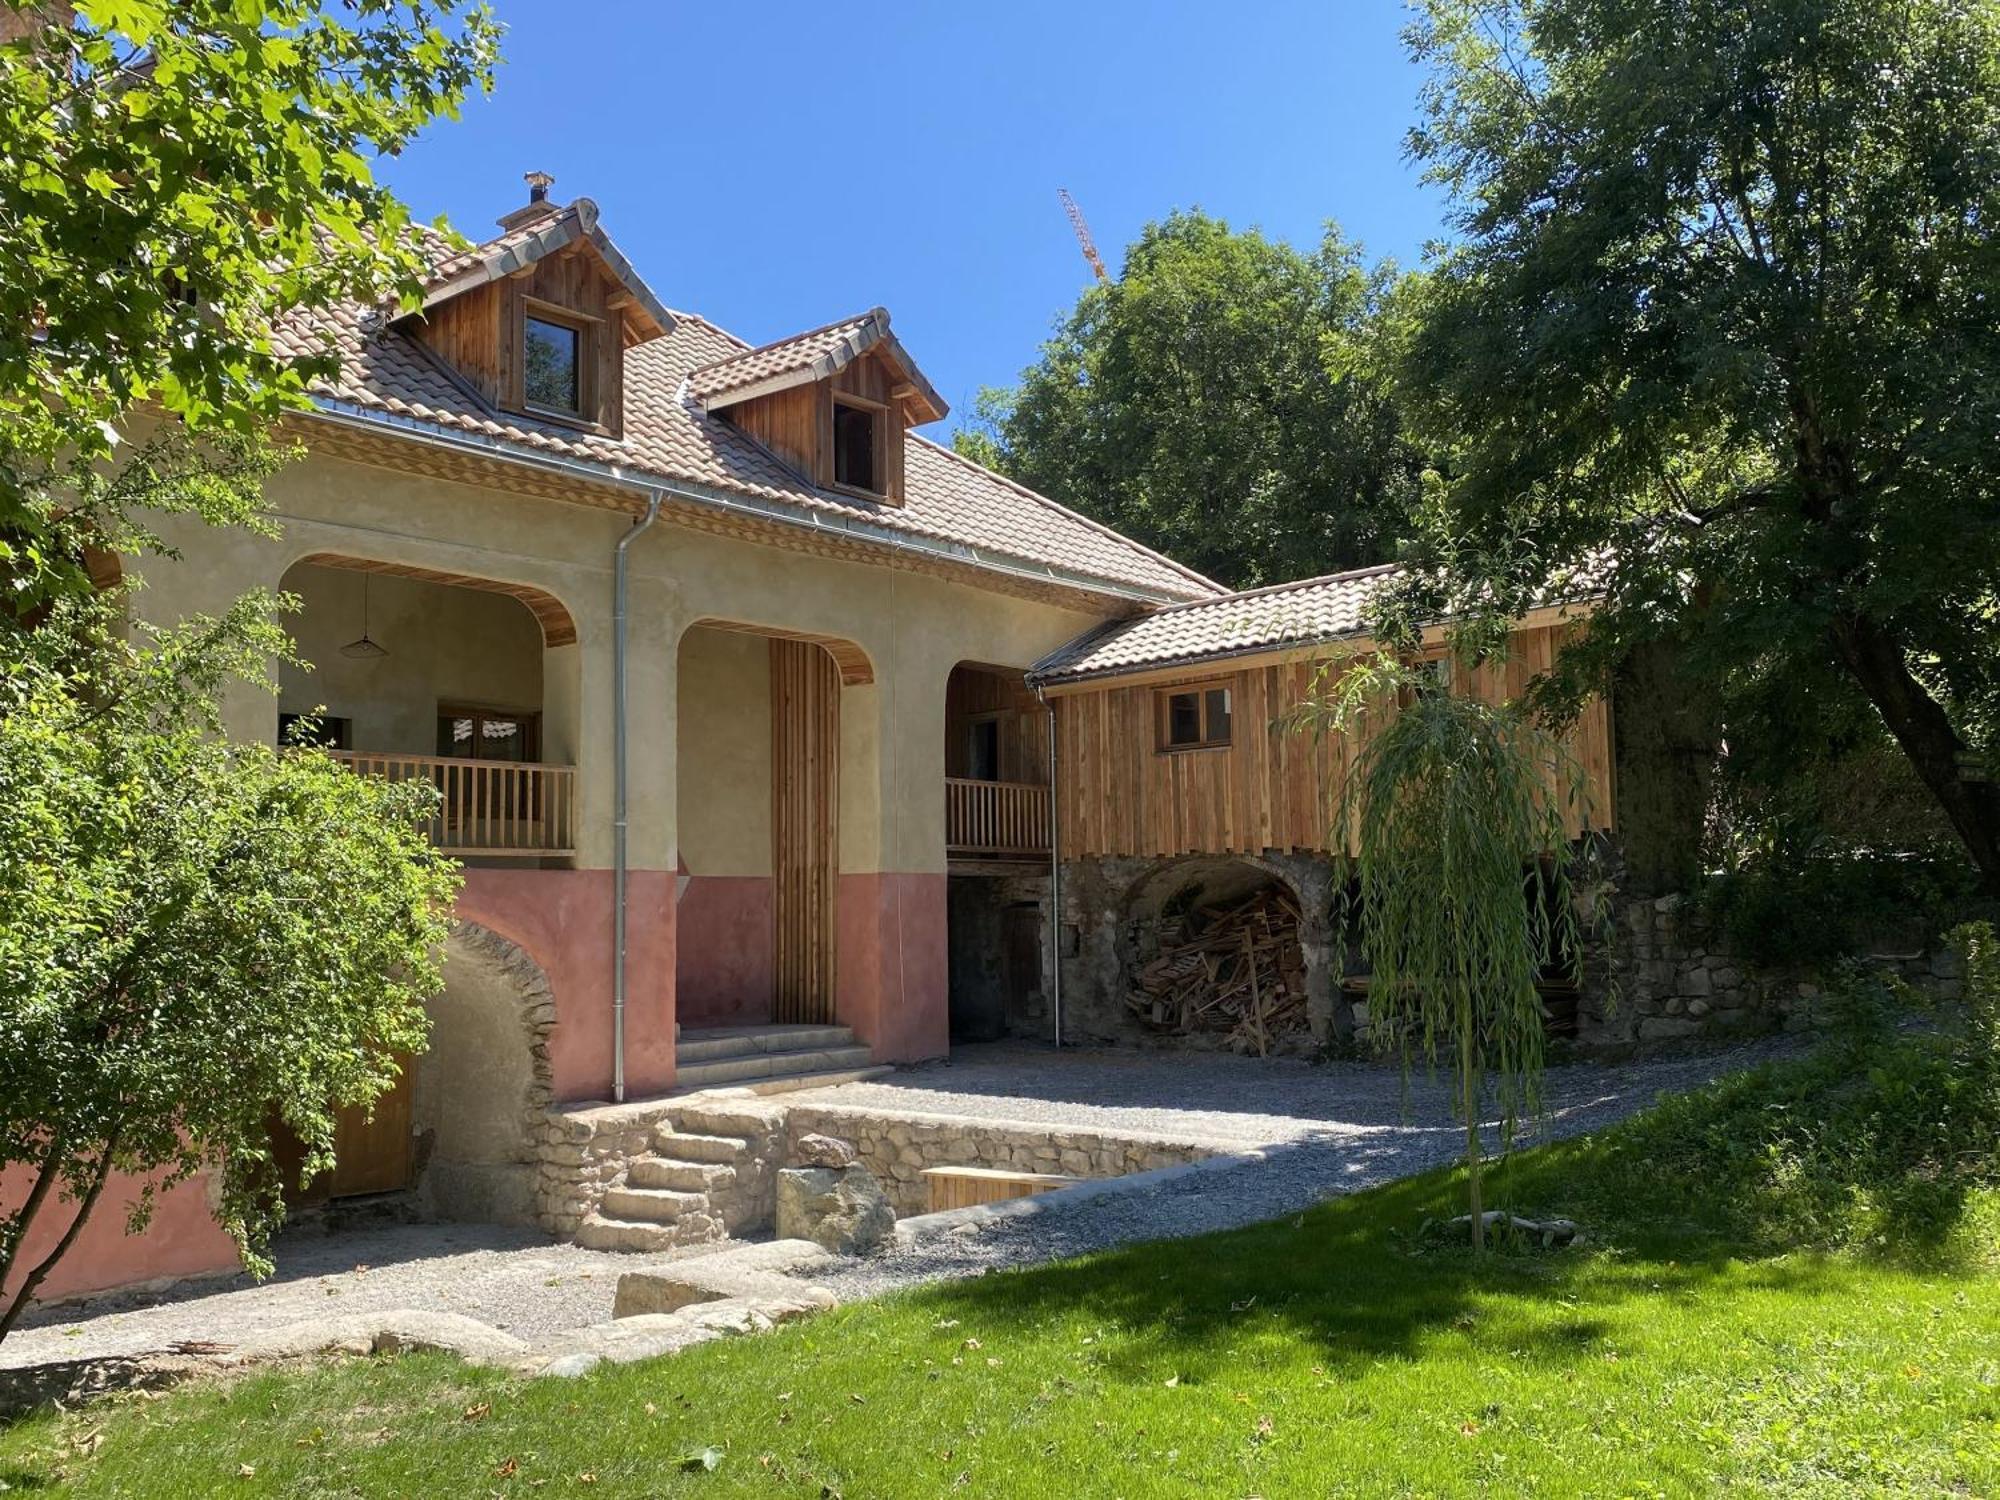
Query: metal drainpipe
[[1055, 865], [618, 860]]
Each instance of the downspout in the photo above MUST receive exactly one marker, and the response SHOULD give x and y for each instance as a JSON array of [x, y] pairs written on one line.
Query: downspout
[[620, 712], [1055, 866]]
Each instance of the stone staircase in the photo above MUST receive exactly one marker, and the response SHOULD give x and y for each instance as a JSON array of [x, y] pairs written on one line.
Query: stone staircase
[[716, 1148], [800, 1056]]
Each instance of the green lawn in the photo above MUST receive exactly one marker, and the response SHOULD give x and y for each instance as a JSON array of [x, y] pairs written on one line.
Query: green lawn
[[1684, 1353]]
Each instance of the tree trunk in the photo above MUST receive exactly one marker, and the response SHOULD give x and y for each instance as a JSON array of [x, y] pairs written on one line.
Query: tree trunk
[[45, 1182], [1469, 1099], [35, 1277], [1877, 661]]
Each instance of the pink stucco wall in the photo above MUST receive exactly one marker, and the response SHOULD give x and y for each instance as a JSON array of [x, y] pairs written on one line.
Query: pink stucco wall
[[724, 974], [181, 1240], [563, 918], [892, 985]]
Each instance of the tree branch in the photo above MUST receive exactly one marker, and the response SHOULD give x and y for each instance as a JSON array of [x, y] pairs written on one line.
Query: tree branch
[[89, 1201]]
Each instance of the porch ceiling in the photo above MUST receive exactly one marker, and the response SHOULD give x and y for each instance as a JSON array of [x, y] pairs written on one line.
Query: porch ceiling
[[558, 625]]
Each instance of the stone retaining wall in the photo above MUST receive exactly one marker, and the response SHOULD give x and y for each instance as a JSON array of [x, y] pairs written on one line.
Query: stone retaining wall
[[582, 1153], [897, 1148]]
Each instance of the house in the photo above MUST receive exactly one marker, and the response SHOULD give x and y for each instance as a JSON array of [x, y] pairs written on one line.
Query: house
[[738, 691]]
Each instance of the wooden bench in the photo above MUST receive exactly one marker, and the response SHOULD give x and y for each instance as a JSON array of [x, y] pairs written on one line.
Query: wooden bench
[[961, 1187]]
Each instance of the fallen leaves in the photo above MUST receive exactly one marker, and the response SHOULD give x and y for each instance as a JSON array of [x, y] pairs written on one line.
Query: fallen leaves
[[478, 1412]]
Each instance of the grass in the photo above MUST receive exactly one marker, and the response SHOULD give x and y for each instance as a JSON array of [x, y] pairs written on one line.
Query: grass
[[1698, 1346]]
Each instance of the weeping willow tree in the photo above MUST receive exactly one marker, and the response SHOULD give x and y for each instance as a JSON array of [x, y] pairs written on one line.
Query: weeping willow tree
[[1449, 828]]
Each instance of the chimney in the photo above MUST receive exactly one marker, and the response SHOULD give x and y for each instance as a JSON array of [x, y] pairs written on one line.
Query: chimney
[[537, 207]]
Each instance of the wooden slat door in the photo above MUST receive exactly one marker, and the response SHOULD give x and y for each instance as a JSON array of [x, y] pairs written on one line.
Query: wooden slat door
[[373, 1155], [805, 828]]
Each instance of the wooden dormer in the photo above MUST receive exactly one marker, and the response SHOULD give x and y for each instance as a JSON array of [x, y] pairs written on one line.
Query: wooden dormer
[[833, 403], [537, 321]]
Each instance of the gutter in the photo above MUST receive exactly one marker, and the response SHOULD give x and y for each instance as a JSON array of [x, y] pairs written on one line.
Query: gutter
[[348, 414]]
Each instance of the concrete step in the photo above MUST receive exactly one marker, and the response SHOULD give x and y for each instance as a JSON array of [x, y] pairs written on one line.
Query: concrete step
[[680, 1176], [764, 1065], [725, 1150], [651, 1205], [603, 1232], [826, 1080], [720, 1045]]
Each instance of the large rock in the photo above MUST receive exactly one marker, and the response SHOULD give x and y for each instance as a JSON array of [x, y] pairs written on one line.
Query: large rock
[[843, 1210], [825, 1151]]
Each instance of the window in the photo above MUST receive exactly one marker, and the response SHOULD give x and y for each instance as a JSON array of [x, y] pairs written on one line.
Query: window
[[1194, 719], [487, 734], [983, 760], [856, 464], [323, 732], [552, 365]]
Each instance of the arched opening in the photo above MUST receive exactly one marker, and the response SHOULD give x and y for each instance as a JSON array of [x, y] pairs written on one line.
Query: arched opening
[[414, 674], [996, 769], [1215, 951], [483, 1085], [758, 770]]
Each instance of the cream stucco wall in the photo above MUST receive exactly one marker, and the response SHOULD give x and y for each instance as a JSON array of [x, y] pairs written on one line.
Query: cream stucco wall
[[446, 646], [914, 629], [724, 771]]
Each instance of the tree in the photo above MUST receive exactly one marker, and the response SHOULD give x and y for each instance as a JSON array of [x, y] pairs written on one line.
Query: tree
[[1721, 315], [1450, 827], [193, 935], [1210, 403], [179, 175]]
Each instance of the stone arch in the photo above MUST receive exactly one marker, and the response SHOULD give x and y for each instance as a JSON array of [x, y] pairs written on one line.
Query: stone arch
[[1160, 889], [486, 1082]]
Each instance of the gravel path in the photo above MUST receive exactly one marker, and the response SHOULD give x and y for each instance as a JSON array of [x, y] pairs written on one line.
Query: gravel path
[[1326, 1129], [515, 1279], [1361, 1130]]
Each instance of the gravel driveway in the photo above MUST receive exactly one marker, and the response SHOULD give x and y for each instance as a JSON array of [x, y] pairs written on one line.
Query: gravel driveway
[[1328, 1129], [1350, 1127]]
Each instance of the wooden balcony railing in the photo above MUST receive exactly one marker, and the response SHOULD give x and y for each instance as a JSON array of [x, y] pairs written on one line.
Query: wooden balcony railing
[[489, 808], [995, 818]]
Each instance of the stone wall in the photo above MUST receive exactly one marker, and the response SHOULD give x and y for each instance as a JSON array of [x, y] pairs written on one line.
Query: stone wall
[[897, 1148], [582, 1153], [1667, 977]]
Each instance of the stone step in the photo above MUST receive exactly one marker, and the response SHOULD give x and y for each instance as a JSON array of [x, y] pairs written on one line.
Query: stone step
[[826, 1080], [719, 1045], [770, 1065], [741, 1117], [653, 1205], [680, 1176], [717, 1149], [603, 1232]]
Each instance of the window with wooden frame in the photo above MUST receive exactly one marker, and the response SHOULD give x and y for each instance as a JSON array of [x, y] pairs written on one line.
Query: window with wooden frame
[[488, 733], [1196, 718], [557, 368], [860, 445]]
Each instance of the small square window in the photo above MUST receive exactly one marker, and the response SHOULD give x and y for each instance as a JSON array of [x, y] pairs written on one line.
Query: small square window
[[854, 456], [552, 364], [1198, 719]]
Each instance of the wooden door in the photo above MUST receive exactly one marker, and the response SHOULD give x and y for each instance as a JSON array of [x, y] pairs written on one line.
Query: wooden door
[[373, 1155], [805, 828]]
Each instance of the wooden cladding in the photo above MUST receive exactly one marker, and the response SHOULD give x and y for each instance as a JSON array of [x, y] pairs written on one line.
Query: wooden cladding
[[480, 335], [995, 817], [798, 425], [558, 625], [490, 808], [1270, 788], [805, 829]]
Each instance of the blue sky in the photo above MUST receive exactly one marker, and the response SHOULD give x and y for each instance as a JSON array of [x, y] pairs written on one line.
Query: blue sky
[[777, 166]]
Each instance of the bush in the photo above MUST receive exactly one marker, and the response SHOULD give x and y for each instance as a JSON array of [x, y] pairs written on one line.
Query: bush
[[1876, 1142], [1809, 909]]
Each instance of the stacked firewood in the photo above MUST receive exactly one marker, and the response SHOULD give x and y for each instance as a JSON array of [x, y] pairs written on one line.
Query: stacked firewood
[[1233, 968]]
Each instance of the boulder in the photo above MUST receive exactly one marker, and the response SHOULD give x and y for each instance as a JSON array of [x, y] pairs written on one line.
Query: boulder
[[843, 1210], [825, 1151]]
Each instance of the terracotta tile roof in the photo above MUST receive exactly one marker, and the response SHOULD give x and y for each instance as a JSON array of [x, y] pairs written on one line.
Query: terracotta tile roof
[[949, 501], [817, 353], [1309, 612]]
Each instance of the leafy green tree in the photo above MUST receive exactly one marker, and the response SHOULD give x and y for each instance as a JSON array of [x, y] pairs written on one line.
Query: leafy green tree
[[1212, 403], [1450, 827], [176, 176], [1721, 310], [193, 935]]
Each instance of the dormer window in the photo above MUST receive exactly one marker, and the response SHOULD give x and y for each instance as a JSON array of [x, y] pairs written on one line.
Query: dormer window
[[553, 361], [858, 444]]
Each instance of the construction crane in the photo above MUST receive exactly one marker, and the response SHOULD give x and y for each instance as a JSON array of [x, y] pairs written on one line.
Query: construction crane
[[1083, 234]]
